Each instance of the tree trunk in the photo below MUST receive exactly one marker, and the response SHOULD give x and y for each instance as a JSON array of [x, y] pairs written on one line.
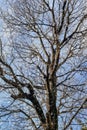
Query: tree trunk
[[51, 116]]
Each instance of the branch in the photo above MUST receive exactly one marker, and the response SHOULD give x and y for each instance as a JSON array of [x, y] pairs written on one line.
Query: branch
[[35, 103], [75, 114]]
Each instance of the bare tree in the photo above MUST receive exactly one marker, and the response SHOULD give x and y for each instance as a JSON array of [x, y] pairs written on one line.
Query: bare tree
[[45, 71]]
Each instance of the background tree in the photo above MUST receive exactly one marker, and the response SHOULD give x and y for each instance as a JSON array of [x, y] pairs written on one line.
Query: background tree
[[44, 66]]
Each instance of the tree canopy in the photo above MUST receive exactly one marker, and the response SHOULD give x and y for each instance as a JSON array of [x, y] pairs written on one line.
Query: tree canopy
[[43, 66]]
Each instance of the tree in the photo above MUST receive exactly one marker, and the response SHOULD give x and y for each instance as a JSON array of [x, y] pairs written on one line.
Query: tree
[[44, 72]]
